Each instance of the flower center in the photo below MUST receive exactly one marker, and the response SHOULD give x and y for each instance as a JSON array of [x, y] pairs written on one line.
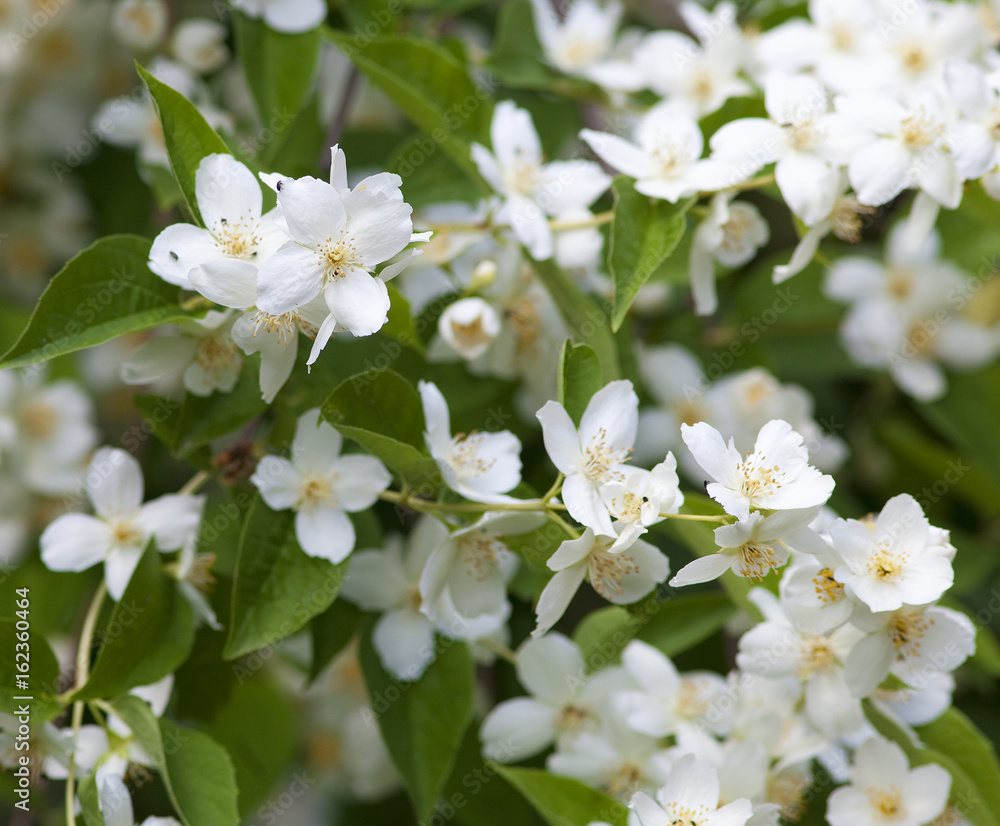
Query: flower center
[[607, 571], [887, 803], [756, 559], [283, 326], [465, 456], [39, 419], [686, 816], [625, 781], [337, 258], [471, 335], [200, 575], [758, 479], [572, 717], [734, 231], [481, 555], [913, 57], [601, 460], [523, 317], [841, 36], [578, 50], [235, 240], [523, 176], [702, 87], [218, 355], [920, 130], [906, 630], [803, 135], [125, 532], [314, 491], [817, 656], [671, 157], [845, 219], [886, 565], [827, 588]]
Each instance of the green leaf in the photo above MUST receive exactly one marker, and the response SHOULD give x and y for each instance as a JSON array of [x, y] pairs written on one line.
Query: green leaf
[[432, 87], [516, 57], [643, 233], [673, 627], [279, 69], [200, 777], [382, 412], [968, 746], [90, 805], [148, 635], [196, 771], [401, 324], [579, 378], [562, 801], [186, 134], [331, 631], [587, 322], [103, 292], [261, 730], [25, 648], [422, 722], [971, 427], [197, 420], [277, 587], [954, 735]]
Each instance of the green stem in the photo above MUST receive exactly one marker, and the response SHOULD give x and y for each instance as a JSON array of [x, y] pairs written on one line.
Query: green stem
[[426, 506], [82, 674], [562, 523], [498, 648], [697, 517], [554, 490], [195, 482]]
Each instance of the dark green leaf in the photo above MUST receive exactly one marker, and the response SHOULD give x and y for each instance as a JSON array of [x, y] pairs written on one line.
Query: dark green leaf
[[643, 233], [200, 777], [431, 86], [562, 801], [401, 324], [103, 292], [277, 587], [587, 322], [382, 412], [331, 631], [516, 57], [579, 378], [279, 68], [90, 801], [148, 635], [422, 722], [186, 134], [954, 735]]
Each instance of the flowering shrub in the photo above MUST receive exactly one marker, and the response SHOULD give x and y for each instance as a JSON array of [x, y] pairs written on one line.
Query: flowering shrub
[[408, 319]]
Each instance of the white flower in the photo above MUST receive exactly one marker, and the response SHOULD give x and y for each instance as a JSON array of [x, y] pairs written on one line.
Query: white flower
[[276, 337], [388, 581], [730, 234], [804, 140], [810, 591], [115, 804], [290, 16], [583, 38], [221, 260], [775, 476], [699, 78], [194, 579], [46, 431], [463, 586], [778, 648], [204, 351], [755, 545], [884, 789], [140, 25], [913, 642], [639, 501], [200, 44], [668, 702], [595, 454], [690, 797], [532, 190], [468, 326], [339, 237], [123, 526], [666, 160], [898, 559], [621, 576], [480, 466], [563, 701], [901, 147], [321, 486]]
